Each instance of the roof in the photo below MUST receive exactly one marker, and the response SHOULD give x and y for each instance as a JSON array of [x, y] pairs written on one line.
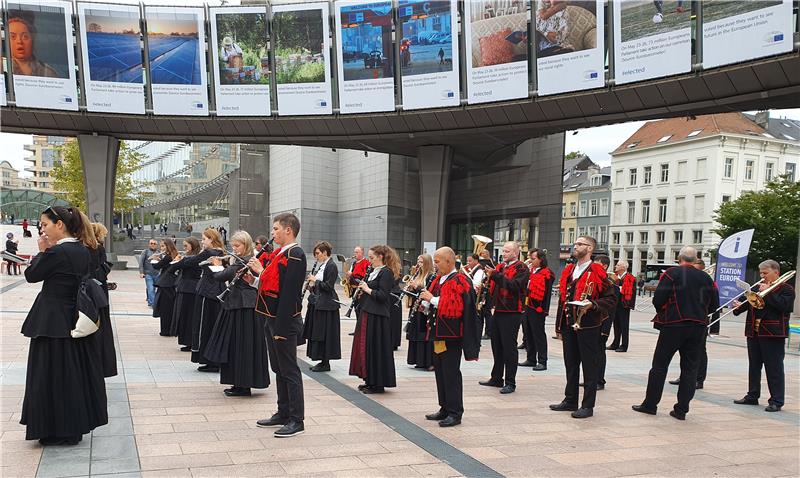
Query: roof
[[668, 131], [781, 128], [575, 179], [579, 162]]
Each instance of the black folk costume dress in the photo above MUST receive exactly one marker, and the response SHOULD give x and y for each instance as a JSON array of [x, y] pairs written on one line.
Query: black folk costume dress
[[420, 347], [108, 351], [322, 325], [184, 299], [164, 303]]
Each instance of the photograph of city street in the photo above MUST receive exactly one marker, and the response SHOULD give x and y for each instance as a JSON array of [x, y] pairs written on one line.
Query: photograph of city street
[[427, 44], [367, 51]]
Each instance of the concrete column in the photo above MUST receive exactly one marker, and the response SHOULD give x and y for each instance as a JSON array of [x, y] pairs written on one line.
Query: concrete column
[[99, 156], [434, 178]]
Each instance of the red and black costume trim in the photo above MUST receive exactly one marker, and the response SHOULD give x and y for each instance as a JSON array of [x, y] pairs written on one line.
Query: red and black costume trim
[[572, 289], [774, 317], [508, 286], [540, 285]]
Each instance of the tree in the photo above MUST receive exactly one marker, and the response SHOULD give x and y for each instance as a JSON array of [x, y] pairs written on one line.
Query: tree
[[573, 155], [774, 213], [68, 177]]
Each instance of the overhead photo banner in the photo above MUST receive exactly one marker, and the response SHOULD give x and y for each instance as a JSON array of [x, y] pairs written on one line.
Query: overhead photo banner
[[366, 66], [112, 58], [496, 50], [429, 53], [570, 51], [651, 39], [242, 66], [176, 50], [756, 28], [42, 56], [302, 58], [732, 264], [3, 67]]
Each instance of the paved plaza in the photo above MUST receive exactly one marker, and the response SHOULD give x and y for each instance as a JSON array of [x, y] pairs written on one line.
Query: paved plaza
[[167, 419]]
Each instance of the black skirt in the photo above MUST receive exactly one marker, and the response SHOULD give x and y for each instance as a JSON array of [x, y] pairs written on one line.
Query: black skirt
[[163, 308], [205, 315], [182, 318], [108, 352], [239, 345], [420, 351], [322, 330], [396, 325], [65, 393], [372, 358]]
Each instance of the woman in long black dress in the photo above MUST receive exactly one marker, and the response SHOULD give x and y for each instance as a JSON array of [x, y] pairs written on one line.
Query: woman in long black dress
[[164, 303], [321, 327], [238, 342], [396, 316], [65, 394], [372, 358], [99, 270], [185, 289], [420, 348]]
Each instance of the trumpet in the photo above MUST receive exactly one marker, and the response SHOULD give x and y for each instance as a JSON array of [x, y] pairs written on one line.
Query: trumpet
[[587, 292]]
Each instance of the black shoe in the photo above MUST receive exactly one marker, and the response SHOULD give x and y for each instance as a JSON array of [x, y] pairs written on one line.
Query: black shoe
[[620, 349], [563, 407], [772, 408], [643, 409], [363, 387], [351, 334], [186, 349], [238, 392], [539, 367], [746, 400], [208, 368], [698, 386], [321, 368], [601, 386], [527, 363], [612, 347], [583, 413], [508, 389], [677, 414], [290, 429], [273, 421], [521, 347], [440, 415], [485, 337], [450, 422], [492, 383], [371, 390], [677, 381], [57, 441]]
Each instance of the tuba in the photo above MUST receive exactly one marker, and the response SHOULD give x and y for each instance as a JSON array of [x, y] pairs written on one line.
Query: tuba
[[480, 243]]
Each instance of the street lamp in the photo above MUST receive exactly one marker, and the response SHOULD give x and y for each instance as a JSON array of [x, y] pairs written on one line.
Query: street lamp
[[152, 224]]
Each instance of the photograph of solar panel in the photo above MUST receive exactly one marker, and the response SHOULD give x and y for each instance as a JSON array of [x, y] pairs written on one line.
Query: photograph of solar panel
[[174, 49], [112, 43]]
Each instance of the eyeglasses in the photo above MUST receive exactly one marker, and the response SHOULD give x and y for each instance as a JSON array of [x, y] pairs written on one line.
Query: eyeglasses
[[577, 244]]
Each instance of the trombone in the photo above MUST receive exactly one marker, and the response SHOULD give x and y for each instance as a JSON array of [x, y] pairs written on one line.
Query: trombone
[[755, 299]]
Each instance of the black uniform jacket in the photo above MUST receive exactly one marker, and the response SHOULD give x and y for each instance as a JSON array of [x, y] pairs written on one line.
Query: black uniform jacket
[[380, 300], [323, 293], [285, 310], [242, 295], [190, 274], [604, 302], [508, 294], [167, 277], [684, 295], [54, 312], [774, 317]]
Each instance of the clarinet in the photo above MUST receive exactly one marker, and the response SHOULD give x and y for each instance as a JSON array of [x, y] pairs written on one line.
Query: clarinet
[[236, 278], [358, 293], [308, 282]]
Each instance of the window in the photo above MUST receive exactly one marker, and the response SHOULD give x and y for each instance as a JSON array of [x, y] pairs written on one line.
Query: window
[[604, 207], [618, 211], [697, 237], [678, 237], [572, 209], [582, 210], [633, 145], [648, 173], [615, 237], [726, 198], [748, 169], [618, 177], [694, 133], [562, 236], [596, 180], [727, 170], [768, 171], [645, 211], [632, 177], [629, 238], [593, 207], [571, 236], [682, 170], [631, 212], [699, 207], [592, 231], [664, 139], [643, 237], [665, 173], [680, 209], [700, 173], [662, 210], [603, 234], [660, 235], [581, 231], [790, 167], [563, 209]]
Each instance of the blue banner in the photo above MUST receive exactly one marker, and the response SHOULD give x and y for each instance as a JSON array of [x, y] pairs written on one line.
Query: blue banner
[[732, 264]]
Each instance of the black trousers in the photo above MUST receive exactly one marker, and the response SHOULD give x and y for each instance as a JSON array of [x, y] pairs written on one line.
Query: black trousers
[[485, 317], [702, 369], [581, 351], [688, 341], [535, 336], [769, 352], [504, 331], [288, 380], [622, 324], [601, 360], [449, 386]]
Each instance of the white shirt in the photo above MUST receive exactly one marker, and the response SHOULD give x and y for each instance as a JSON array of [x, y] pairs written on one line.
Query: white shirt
[[66, 239], [477, 278], [321, 270], [579, 268], [374, 273], [435, 300]]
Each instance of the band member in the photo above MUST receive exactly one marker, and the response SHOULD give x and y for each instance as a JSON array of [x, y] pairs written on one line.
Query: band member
[[683, 300], [508, 283], [262, 247], [322, 325], [622, 317], [540, 289], [476, 274], [100, 268], [605, 330], [454, 328], [372, 358], [165, 287], [237, 341], [189, 274], [766, 331], [420, 347], [581, 325], [714, 329], [280, 286], [65, 393], [358, 269]]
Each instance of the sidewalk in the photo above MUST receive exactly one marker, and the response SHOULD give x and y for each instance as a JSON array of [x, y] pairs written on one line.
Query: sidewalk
[[167, 419]]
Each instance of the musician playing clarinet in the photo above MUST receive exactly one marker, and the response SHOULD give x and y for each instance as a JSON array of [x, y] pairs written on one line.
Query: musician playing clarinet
[[454, 330], [322, 325], [766, 331]]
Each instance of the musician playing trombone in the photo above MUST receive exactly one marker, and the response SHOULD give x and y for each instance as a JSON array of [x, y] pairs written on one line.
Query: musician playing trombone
[[766, 330], [321, 328]]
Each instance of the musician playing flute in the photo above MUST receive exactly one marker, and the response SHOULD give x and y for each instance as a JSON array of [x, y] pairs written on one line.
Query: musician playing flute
[[454, 330], [766, 331], [321, 328]]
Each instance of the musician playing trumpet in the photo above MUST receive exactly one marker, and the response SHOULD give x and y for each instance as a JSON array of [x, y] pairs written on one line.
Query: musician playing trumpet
[[237, 341], [321, 328], [766, 330]]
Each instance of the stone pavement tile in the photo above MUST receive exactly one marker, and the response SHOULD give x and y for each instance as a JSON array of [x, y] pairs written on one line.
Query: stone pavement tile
[[219, 446], [153, 420], [184, 461], [435, 469], [170, 473], [115, 426], [269, 455], [18, 471], [321, 465], [596, 471], [744, 457], [63, 468], [483, 452], [134, 474], [357, 449], [250, 470], [211, 426], [162, 449], [148, 412], [636, 467], [113, 447], [585, 457], [302, 441], [153, 429], [183, 437], [399, 458], [627, 442], [120, 465], [21, 445], [403, 471], [18, 457]]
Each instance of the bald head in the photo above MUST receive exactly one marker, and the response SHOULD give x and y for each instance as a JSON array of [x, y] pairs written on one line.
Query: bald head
[[510, 251], [688, 254], [445, 260]]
